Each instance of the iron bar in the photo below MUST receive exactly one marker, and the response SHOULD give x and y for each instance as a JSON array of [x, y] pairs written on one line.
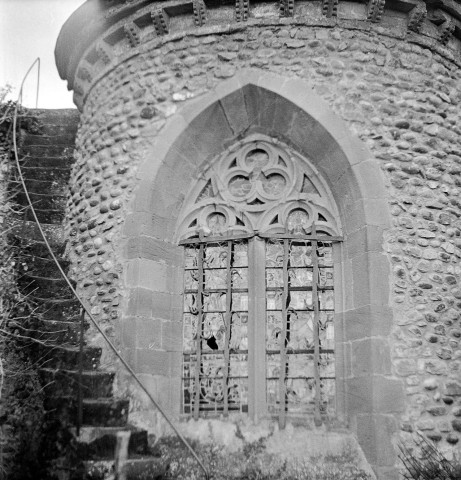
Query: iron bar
[[314, 236], [193, 241], [315, 301], [80, 373], [283, 339], [228, 320], [200, 282]]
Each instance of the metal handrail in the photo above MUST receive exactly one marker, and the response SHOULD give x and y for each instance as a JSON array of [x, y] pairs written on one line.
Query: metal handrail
[[82, 303]]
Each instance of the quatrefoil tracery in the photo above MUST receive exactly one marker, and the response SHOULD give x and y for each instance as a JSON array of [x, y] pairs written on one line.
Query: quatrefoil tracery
[[258, 185]]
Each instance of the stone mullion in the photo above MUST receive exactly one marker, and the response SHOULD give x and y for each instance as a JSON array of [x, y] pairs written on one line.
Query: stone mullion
[[200, 283]]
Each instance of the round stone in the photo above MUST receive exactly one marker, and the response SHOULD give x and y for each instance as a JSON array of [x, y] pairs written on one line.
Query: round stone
[[115, 204]]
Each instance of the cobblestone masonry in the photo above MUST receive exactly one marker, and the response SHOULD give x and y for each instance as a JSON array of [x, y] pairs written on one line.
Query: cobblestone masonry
[[400, 98]]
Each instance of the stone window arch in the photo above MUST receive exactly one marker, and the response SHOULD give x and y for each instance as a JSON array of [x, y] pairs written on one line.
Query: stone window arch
[[258, 230]]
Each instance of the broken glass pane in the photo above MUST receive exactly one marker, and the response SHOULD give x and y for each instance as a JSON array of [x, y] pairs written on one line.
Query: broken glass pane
[[213, 331]]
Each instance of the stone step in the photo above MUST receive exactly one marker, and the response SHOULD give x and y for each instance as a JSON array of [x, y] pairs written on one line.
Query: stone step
[[67, 357], [105, 412], [58, 130], [64, 138], [45, 287], [46, 185], [51, 161], [43, 267], [147, 468], [61, 116], [96, 443], [95, 384], [61, 332], [97, 412], [39, 151], [29, 232]]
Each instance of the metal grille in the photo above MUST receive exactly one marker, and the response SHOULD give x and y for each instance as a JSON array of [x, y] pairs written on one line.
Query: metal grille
[[300, 375], [215, 360]]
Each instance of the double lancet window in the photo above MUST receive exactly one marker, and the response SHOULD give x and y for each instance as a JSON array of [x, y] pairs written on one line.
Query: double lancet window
[[258, 321]]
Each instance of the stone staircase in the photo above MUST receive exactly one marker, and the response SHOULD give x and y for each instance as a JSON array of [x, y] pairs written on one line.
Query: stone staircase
[[56, 320]]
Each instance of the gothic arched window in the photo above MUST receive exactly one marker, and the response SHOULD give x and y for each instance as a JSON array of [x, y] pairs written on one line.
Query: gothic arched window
[[258, 232]]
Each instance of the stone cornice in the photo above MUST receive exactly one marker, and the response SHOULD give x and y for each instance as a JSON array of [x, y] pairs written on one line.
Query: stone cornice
[[103, 33]]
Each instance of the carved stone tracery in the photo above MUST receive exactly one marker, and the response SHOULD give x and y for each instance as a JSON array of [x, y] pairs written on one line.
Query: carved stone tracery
[[258, 185]]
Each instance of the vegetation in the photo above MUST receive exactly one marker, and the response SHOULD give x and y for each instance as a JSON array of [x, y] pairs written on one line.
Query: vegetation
[[21, 402], [254, 463], [424, 461]]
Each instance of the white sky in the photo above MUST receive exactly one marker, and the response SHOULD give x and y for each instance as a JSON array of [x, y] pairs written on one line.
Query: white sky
[[29, 29]]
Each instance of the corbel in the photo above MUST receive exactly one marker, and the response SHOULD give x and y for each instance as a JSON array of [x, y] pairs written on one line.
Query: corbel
[[375, 10], [287, 8], [242, 10], [199, 12], [78, 89], [416, 17], [160, 20], [446, 30], [330, 8], [104, 52], [84, 73], [132, 33]]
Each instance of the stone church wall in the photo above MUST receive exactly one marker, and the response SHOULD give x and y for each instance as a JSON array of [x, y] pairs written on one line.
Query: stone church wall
[[400, 98]]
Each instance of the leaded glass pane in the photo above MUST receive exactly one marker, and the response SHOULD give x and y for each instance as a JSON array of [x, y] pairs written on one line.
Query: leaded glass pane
[[274, 277], [300, 300], [214, 302], [215, 278], [325, 277], [300, 277], [327, 300], [240, 278], [301, 331]]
